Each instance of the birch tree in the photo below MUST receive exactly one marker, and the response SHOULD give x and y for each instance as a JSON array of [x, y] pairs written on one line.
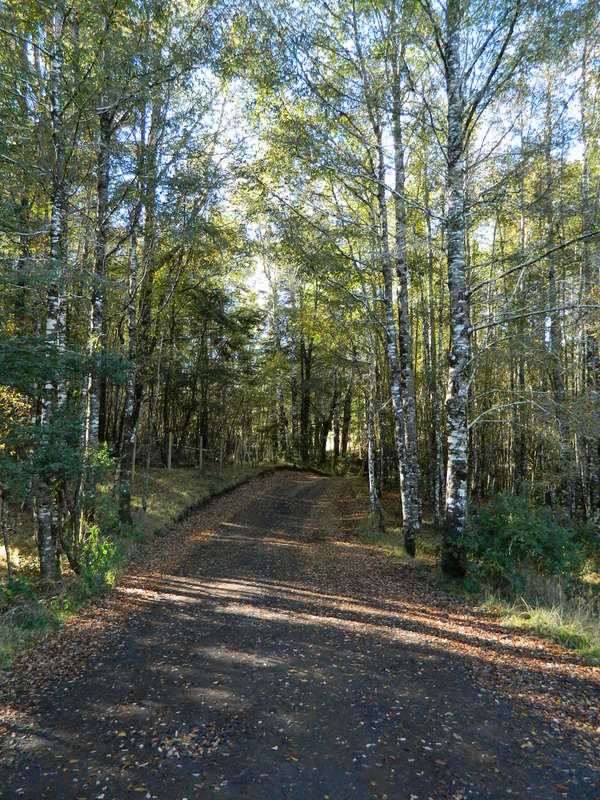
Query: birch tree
[[472, 72], [54, 394]]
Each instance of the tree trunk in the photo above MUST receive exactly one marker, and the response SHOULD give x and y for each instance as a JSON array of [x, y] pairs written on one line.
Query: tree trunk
[[327, 421], [54, 397], [305, 372], [590, 360], [131, 412], [460, 328], [435, 394], [294, 378], [410, 524], [369, 399], [141, 341], [97, 322], [555, 338], [405, 343], [336, 428], [346, 418], [4, 527], [521, 442], [282, 422]]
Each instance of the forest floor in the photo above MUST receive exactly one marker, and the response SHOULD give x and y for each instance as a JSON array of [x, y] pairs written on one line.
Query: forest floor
[[263, 651]]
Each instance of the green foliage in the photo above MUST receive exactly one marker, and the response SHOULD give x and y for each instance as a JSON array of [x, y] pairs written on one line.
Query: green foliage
[[107, 514], [100, 559], [509, 538], [587, 535], [28, 614], [19, 588]]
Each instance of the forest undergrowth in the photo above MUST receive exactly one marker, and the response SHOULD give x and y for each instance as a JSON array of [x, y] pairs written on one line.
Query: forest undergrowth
[[563, 608], [30, 608]]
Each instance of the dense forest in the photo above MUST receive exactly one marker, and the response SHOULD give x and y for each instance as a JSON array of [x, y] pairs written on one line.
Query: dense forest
[[358, 234]]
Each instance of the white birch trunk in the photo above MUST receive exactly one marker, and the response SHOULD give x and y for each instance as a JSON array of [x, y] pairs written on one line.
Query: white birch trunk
[[413, 477], [433, 351], [294, 377], [374, 113], [54, 396], [130, 415], [97, 301], [336, 428], [556, 368], [152, 406], [281, 417], [590, 360], [460, 328], [369, 399], [392, 354], [96, 326]]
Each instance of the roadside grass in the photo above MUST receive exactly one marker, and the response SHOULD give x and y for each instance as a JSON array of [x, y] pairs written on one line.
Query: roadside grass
[[546, 609], [171, 495], [574, 623], [28, 610], [28, 614], [428, 541]]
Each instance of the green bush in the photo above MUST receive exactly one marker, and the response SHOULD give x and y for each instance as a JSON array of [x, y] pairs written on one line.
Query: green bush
[[19, 589], [509, 538], [587, 535], [100, 559]]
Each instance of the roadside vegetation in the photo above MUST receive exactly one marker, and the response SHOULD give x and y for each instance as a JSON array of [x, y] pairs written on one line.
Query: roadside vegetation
[[30, 608], [535, 572]]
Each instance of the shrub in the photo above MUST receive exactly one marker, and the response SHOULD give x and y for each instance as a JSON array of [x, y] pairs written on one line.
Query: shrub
[[100, 559], [19, 589], [509, 538], [587, 535]]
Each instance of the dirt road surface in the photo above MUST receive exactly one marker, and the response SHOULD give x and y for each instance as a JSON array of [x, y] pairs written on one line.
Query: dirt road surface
[[263, 653]]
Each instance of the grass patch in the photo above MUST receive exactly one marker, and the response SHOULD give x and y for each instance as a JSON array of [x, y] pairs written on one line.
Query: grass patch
[[28, 613], [170, 495], [428, 541], [573, 624]]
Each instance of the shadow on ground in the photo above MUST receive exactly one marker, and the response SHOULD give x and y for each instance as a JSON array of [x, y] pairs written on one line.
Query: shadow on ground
[[279, 662]]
